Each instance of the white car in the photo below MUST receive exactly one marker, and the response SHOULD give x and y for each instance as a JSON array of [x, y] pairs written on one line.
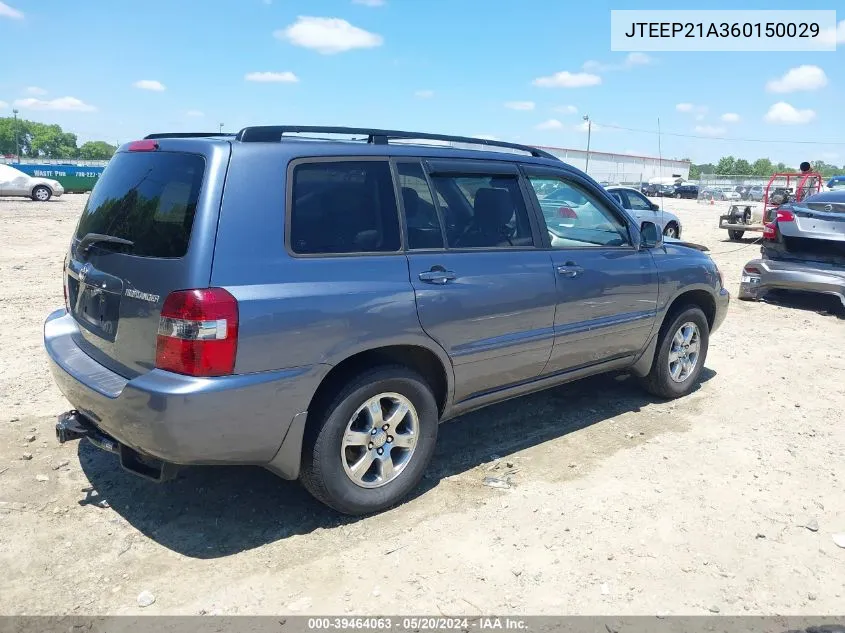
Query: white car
[[14, 182], [636, 204]]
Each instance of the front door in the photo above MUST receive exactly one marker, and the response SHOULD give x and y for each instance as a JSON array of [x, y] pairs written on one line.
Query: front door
[[607, 287], [484, 291]]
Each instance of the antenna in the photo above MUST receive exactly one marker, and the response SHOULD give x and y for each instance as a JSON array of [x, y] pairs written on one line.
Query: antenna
[[660, 169]]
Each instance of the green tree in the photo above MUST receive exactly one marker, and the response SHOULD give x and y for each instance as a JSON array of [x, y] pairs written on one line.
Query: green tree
[[694, 171], [726, 166], [51, 141], [8, 130], [825, 169], [763, 167], [96, 150], [742, 167], [782, 168]]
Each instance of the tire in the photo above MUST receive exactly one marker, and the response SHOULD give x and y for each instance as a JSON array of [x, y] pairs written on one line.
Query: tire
[[735, 234], [659, 382], [326, 464], [41, 193], [677, 196], [671, 230]]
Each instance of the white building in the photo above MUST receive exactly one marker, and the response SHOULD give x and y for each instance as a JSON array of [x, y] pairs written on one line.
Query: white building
[[623, 168]]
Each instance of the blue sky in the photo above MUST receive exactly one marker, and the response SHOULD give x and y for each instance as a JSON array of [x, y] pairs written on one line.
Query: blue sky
[[453, 66]]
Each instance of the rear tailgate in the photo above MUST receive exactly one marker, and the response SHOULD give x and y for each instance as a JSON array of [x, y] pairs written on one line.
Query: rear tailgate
[[820, 220], [165, 200]]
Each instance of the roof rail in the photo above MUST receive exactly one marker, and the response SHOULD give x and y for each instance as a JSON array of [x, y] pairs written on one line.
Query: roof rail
[[274, 133], [185, 135]]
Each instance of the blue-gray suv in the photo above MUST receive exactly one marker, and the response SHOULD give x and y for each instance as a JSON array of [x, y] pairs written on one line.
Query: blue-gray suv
[[317, 305]]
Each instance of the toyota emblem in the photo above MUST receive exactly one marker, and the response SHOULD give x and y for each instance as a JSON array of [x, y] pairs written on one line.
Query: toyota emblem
[[828, 207], [83, 272]]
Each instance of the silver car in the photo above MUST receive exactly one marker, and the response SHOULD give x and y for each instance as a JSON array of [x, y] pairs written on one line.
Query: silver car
[[645, 210], [803, 249], [13, 182]]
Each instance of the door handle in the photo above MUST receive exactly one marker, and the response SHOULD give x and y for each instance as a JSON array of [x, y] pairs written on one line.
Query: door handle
[[437, 276], [569, 269]]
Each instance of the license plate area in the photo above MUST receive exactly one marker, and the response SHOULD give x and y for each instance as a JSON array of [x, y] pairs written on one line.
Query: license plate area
[[94, 300]]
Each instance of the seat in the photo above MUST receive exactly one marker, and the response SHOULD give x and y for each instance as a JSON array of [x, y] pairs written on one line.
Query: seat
[[492, 211]]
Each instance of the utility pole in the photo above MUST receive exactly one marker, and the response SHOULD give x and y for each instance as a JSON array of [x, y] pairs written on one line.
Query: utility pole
[[17, 138], [221, 128], [589, 132]]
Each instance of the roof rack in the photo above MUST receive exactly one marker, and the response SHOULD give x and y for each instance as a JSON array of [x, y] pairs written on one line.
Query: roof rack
[[185, 135], [274, 133]]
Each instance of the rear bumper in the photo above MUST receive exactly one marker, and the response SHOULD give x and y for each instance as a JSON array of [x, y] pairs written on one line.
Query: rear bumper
[[788, 275], [242, 419]]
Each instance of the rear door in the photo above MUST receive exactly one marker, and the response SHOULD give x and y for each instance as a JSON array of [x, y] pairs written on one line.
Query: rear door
[[606, 286], [165, 201], [484, 291]]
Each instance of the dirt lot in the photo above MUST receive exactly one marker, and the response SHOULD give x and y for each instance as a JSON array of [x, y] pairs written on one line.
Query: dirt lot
[[726, 500]]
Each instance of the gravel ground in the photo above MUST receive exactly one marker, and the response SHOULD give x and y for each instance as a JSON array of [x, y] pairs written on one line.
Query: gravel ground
[[725, 501]]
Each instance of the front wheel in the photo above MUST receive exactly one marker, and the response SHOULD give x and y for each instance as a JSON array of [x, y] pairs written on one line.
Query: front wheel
[[41, 194], [680, 356], [369, 443], [735, 234], [671, 230], [678, 196]]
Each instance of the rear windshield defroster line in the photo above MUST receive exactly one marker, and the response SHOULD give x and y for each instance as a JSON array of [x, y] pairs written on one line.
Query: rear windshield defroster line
[[147, 198]]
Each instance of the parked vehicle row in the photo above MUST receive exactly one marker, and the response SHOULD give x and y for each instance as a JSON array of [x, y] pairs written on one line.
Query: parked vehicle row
[[323, 328]]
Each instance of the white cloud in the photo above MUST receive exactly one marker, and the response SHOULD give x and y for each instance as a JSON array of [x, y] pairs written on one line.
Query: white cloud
[[67, 104], [370, 3], [551, 124], [709, 130], [567, 109], [698, 110], [800, 78], [833, 36], [520, 105], [631, 61], [195, 113], [730, 117], [35, 90], [149, 84], [9, 12], [785, 114], [285, 77], [328, 35], [3, 105], [566, 79], [685, 107], [583, 126], [424, 94]]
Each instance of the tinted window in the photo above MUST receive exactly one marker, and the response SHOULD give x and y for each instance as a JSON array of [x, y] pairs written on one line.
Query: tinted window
[[637, 202], [421, 216], [344, 207], [483, 211], [149, 198], [577, 217]]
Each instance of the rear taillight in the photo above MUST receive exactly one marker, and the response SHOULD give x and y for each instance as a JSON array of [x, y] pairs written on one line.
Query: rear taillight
[[751, 270], [770, 228], [64, 283], [198, 333], [566, 212]]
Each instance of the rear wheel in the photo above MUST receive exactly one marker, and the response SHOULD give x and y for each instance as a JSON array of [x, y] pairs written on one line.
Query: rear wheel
[[41, 193], [671, 230], [677, 195], [369, 443], [680, 355], [735, 234]]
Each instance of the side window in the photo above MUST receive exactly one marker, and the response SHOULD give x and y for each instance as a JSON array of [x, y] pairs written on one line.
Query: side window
[[421, 216], [575, 217], [638, 203], [618, 197], [343, 207], [483, 211]]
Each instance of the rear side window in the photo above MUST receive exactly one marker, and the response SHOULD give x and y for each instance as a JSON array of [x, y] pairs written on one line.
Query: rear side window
[[421, 218], [149, 198], [343, 207]]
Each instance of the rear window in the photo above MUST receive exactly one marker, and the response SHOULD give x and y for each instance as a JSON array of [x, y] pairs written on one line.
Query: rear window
[[149, 198], [344, 207]]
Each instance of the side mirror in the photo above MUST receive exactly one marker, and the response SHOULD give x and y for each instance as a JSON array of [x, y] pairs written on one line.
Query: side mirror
[[655, 207], [651, 235]]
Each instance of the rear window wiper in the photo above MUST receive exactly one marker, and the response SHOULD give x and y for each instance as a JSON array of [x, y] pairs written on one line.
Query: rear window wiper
[[94, 238]]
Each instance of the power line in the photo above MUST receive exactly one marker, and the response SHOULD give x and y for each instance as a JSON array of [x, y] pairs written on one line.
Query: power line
[[723, 138]]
